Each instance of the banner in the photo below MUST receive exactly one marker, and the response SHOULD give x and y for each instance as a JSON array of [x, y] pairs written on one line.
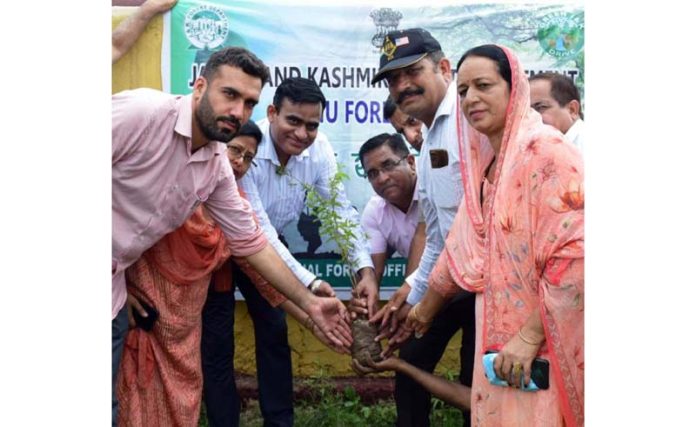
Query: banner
[[338, 47]]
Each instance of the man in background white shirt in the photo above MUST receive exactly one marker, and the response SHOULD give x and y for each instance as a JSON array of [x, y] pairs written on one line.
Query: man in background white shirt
[[408, 126], [557, 99]]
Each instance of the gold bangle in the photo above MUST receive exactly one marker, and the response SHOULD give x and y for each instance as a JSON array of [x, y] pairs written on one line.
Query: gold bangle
[[415, 313], [528, 341]]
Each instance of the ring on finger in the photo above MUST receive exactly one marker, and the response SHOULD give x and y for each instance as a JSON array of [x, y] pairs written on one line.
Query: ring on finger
[[516, 369]]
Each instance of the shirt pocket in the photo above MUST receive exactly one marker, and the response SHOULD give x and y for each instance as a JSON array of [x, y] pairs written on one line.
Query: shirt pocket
[[180, 205], [447, 187]]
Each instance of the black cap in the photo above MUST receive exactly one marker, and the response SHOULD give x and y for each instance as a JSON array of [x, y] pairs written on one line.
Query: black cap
[[402, 48]]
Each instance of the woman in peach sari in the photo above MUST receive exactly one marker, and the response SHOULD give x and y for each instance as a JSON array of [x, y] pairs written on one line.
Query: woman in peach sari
[[160, 379], [518, 241]]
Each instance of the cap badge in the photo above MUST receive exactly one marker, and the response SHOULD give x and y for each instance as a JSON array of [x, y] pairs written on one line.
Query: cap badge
[[388, 48]]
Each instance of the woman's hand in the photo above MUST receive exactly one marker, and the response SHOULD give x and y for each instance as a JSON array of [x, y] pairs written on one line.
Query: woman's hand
[[418, 321], [514, 362]]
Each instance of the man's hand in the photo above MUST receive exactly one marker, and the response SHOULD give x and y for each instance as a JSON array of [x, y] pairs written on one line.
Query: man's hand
[[397, 331], [124, 36], [365, 295], [158, 6], [388, 330], [309, 324], [324, 290], [332, 319], [133, 304], [391, 307]]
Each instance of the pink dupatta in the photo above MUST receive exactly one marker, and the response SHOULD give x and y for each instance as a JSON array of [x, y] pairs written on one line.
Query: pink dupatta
[[524, 249]]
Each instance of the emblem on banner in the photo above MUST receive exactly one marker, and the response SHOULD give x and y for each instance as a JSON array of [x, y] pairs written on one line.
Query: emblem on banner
[[561, 35], [206, 27], [385, 20]]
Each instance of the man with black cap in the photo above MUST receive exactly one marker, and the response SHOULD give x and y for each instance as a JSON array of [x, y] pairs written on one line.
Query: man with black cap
[[420, 82]]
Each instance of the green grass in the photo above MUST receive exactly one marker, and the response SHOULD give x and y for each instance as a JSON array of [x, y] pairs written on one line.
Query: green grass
[[325, 407]]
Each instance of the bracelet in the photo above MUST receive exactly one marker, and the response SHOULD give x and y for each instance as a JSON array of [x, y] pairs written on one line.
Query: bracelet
[[415, 313], [527, 340], [314, 285]]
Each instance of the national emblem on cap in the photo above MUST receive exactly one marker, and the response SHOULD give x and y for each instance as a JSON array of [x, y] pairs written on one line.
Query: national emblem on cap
[[402, 48], [388, 48]]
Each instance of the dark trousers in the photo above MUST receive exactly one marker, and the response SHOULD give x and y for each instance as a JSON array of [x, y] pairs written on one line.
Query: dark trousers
[[412, 400], [273, 363], [119, 328]]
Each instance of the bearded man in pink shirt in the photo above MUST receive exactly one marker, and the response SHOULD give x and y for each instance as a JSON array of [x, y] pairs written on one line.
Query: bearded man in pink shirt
[[167, 158]]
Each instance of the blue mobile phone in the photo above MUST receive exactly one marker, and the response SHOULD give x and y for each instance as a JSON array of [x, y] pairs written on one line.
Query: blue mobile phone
[[540, 373]]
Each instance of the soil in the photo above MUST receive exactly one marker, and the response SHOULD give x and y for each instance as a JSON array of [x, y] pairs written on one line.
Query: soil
[[364, 346]]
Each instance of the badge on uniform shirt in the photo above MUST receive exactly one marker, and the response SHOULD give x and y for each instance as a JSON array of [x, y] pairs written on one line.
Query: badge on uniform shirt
[[438, 158]]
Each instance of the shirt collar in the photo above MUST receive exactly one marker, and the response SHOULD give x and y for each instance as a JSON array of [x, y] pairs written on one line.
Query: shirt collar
[[266, 148], [183, 126], [414, 201], [411, 206], [448, 106], [574, 130]]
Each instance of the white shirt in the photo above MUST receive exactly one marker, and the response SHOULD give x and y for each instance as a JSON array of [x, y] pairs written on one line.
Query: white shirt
[[574, 134], [278, 200], [439, 190]]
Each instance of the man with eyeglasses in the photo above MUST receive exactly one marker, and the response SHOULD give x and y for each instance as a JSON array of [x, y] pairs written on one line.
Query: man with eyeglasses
[[292, 151], [408, 126], [390, 218], [420, 83]]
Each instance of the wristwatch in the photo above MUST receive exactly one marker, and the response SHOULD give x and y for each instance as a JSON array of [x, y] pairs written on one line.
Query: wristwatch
[[314, 286]]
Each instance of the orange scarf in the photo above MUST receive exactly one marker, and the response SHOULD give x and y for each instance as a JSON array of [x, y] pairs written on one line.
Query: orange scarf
[[190, 252]]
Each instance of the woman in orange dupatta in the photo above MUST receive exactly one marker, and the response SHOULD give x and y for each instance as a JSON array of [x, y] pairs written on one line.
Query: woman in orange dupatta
[[160, 379], [518, 241]]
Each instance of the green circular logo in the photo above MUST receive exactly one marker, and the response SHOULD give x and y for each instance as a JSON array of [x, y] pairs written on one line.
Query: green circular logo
[[206, 26], [562, 35]]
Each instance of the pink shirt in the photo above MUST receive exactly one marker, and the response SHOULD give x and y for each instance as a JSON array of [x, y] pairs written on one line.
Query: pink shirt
[[157, 182], [386, 225]]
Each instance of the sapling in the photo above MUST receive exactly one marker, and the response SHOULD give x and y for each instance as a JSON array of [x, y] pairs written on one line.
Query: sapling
[[341, 231]]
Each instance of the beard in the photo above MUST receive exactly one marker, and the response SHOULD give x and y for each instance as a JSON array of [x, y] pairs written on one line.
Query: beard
[[207, 122]]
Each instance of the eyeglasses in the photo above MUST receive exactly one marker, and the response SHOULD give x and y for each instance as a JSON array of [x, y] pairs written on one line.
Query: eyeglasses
[[237, 153], [387, 166]]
